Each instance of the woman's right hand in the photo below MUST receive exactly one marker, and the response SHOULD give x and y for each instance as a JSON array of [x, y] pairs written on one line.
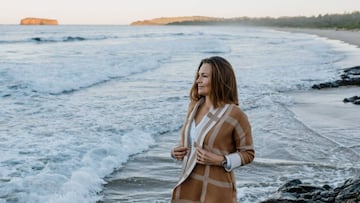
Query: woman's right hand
[[179, 152]]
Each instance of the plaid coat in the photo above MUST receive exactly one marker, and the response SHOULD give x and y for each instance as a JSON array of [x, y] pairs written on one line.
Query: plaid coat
[[225, 130]]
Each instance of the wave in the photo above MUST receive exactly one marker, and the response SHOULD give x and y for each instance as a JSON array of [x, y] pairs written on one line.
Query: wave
[[131, 183], [12, 41], [54, 183], [55, 89], [66, 39], [57, 80], [69, 91], [283, 162], [168, 34], [215, 52], [56, 39]]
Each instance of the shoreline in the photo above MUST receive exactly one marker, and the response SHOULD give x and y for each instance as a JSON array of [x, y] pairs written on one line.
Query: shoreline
[[153, 181], [327, 104], [323, 110], [348, 36]]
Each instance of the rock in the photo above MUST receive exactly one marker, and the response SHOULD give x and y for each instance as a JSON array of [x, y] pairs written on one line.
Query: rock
[[353, 70], [349, 192], [354, 100], [296, 191], [38, 21], [350, 76]]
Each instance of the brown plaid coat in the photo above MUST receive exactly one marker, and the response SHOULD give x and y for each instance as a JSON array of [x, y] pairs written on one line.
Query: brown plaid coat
[[225, 130]]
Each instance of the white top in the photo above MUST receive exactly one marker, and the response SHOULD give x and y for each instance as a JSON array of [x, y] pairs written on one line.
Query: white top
[[233, 160], [194, 133]]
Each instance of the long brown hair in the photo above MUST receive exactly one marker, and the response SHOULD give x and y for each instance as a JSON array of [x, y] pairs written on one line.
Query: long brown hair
[[223, 83]]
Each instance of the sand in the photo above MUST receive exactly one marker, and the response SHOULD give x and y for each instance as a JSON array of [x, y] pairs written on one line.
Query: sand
[[347, 36], [324, 110]]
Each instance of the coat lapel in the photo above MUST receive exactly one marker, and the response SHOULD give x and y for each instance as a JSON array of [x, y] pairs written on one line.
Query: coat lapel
[[211, 119]]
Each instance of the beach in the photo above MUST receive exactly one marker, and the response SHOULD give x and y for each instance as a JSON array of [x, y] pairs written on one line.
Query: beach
[[347, 36], [324, 110], [95, 119], [321, 111]]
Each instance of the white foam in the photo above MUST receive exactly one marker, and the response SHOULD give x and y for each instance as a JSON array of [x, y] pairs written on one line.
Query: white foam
[[86, 177]]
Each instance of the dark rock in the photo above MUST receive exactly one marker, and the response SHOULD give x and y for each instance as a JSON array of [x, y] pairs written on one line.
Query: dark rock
[[296, 191], [354, 100], [351, 99], [291, 183], [350, 76], [353, 70], [327, 187], [349, 192]]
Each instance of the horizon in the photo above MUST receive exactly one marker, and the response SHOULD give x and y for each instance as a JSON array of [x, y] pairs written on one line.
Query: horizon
[[113, 12], [174, 17]]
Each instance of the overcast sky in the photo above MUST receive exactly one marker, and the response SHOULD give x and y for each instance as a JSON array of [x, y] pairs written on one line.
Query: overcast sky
[[127, 11]]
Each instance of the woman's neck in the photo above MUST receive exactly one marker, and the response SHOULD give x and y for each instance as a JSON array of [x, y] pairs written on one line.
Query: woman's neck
[[207, 103]]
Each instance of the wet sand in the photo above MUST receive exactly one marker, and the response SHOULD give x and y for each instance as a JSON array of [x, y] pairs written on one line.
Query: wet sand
[[327, 105], [146, 177], [325, 112]]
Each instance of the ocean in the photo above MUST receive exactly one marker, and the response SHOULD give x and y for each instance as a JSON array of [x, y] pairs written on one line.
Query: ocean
[[90, 113]]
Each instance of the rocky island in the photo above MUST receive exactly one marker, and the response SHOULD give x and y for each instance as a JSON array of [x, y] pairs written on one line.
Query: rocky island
[[38, 21]]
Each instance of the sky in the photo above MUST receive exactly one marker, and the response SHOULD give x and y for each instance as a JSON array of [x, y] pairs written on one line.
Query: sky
[[126, 11]]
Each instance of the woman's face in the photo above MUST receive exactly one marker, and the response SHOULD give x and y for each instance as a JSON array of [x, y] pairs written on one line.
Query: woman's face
[[204, 80]]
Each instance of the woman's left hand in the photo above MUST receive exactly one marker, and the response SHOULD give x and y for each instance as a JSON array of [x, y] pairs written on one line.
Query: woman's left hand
[[208, 158]]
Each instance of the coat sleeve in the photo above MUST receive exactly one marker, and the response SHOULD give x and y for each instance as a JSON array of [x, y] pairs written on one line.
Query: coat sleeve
[[182, 135], [243, 138]]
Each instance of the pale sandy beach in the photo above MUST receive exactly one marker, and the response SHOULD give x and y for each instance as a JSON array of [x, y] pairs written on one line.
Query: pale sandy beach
[[328, 103], [350, 37], [324, 110]]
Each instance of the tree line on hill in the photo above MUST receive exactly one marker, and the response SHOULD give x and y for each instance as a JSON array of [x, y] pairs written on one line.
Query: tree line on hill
[[337, 21]]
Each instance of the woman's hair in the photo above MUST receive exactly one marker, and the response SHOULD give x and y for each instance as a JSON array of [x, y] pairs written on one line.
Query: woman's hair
[[223, 83]]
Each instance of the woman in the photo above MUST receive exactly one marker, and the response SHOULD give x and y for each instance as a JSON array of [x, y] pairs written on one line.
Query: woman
[[215, 139]]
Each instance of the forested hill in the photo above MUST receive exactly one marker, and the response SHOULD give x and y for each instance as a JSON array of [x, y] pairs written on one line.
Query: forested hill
[[339, 21], [171, 20]]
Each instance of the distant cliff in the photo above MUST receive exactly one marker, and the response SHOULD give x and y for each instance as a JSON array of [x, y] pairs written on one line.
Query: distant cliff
[[38, 21], [171, 20]]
